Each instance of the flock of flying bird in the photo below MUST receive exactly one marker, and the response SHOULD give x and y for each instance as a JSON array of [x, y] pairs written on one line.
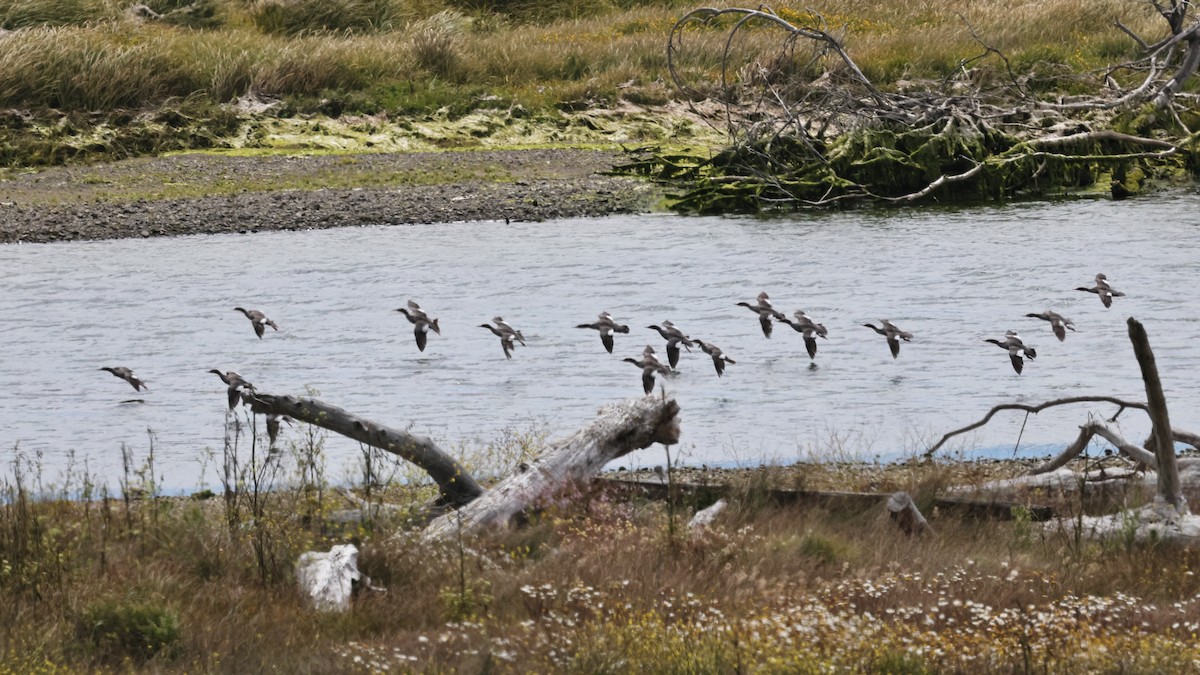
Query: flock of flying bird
[[676, 339]]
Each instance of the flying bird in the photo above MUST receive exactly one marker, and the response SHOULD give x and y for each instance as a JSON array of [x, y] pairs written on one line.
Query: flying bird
[[650, 366], [674, 338], [1016, 348], [273, 425], [507, 334], [1103, 290], [259, 320], [811, 330], [1058, 323], [893, 335], [719, 358], [607, 327], [235, 383], [127, 375], [421, 322], [762, 307]]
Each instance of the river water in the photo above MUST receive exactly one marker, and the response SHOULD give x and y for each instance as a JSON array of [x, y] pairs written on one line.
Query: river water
[[164, 307]]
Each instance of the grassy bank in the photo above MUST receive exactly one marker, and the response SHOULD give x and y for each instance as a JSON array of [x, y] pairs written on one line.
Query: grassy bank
[[68, 69], [123, 579]]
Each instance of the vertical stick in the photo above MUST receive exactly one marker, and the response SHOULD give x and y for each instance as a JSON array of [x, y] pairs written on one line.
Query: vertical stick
[[1164, 444]]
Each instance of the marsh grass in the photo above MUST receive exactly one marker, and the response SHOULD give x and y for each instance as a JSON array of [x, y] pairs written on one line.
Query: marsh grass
[[81, 55]]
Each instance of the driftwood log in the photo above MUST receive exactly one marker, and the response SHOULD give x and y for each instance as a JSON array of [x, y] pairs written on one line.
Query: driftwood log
[[455, 484], [618, 430]]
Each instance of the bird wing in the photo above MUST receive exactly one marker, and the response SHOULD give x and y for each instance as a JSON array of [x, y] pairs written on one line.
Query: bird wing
[[811, 344], [648, 379], [719, 363], [1018, 363], [259, 329], [764, 320], [1105, 297], [233, 396], [673, 353], [422, 338], [606, 337], [1060, 330], [894, 345], [506, 344]]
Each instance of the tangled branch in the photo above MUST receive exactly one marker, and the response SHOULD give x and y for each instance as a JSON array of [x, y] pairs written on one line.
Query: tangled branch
[[808, 128]]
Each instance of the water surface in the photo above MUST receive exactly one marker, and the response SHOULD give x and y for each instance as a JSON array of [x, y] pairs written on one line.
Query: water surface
[[164, 307]]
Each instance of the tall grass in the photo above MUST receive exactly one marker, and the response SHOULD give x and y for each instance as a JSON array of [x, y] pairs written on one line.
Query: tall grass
[[81, 55]]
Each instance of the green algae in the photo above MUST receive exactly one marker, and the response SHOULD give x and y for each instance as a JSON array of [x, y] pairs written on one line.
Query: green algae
[[72, 139]]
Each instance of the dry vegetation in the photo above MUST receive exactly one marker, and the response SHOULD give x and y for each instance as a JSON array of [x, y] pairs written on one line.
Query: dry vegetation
[[93, 580], [87, 62]]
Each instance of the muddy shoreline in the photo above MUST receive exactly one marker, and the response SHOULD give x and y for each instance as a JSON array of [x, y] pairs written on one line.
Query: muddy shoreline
[[209, 193]]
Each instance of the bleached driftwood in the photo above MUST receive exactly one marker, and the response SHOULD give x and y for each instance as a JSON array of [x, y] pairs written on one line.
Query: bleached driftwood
[[618, 430], [1158, 522], [455, 484]]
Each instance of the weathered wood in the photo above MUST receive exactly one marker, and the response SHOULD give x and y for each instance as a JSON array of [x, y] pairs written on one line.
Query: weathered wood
[[1086, 432], [455, 483], [618, 430], [1164, 443], [965, 506], [904, 512]]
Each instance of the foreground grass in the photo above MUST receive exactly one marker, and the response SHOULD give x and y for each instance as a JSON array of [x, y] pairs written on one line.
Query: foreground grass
[[73, 72], [594, 583]]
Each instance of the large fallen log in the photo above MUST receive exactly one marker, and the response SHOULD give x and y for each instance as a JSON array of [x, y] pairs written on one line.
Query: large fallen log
[[984, 507], [455, 484], [618, 430]]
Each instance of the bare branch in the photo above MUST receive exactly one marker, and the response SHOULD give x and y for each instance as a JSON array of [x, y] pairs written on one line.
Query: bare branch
[[1034, 409]]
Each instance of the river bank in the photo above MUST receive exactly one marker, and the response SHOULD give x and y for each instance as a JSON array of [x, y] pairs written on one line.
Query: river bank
[[212, 193]]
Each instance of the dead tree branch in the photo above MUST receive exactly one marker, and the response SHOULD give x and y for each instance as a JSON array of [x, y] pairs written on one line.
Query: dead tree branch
[[455, 483], [1086, 432], [1034, 409], [1164, 445]]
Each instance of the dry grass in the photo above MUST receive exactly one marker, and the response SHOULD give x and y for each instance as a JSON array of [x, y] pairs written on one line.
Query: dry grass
[[594, 583], [85, 56]]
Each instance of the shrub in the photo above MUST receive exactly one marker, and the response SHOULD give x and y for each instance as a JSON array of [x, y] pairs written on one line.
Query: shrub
[[137, 630]]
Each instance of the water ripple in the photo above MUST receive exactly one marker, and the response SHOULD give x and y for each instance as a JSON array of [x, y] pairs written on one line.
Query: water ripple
[[953, 277]]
